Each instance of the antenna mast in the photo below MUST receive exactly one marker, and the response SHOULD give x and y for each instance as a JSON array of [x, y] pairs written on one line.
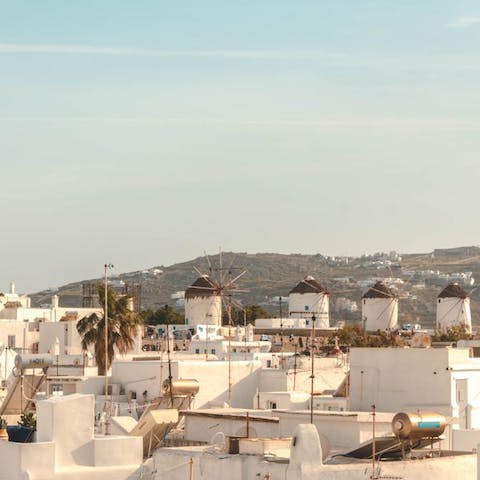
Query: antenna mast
[[312, 373], [107, 266], [229, 312]]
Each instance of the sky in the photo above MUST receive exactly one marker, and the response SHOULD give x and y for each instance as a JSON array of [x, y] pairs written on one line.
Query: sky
[[145, 132]]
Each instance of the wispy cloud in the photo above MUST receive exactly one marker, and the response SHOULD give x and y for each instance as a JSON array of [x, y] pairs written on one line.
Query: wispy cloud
[[319, 57], [413, 124], [465, 22], [14, 48]]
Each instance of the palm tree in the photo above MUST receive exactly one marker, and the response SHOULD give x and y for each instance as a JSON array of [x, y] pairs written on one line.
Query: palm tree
[[123, 327]]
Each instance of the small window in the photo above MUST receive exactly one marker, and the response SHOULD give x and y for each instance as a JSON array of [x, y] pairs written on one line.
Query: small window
[[11, 341], [205, 351], [213, 351], [197, 351], [273, 405], [307, 308], [269, 363], [57, 389]]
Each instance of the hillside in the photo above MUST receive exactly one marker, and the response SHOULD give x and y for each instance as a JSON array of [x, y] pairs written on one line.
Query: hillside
[[271, 274]]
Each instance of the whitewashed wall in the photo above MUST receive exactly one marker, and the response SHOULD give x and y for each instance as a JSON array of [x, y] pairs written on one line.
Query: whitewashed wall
[[212, 376], [203, 311], [453, 311], [304, 305], [380, 314]]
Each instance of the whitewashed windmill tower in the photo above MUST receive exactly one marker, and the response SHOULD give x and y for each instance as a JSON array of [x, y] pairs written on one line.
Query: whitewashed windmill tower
[[309, 298], [380, 308], [203, 303], [453, 308]]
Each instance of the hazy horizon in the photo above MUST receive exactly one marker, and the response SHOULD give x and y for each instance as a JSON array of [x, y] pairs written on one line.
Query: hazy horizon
[[144, 133]]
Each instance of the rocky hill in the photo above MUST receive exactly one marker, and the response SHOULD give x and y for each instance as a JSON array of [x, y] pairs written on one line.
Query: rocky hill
[[270, 274]]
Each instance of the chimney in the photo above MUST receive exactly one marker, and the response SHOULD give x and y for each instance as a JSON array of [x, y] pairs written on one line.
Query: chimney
[[54, 301]]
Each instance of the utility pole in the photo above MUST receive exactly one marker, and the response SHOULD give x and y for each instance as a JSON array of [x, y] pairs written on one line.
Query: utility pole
[[229, 311], [374, 476], [295, 366], [168, 357], [312, 373], [245, 333], [281, 320]]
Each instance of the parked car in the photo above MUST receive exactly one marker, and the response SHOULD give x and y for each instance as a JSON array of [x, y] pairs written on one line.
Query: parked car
[[410, 328]]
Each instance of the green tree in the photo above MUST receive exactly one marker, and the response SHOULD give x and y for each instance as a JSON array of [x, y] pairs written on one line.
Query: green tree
[[355, 336], [453, 334], [252, 313], [123, 327], [162, 316]]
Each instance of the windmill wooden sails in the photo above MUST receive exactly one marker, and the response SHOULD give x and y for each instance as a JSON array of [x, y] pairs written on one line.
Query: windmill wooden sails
[[205, 298]]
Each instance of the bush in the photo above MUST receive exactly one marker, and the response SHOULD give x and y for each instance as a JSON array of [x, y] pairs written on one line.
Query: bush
[[28, 420], [355, 336], [453, 334]]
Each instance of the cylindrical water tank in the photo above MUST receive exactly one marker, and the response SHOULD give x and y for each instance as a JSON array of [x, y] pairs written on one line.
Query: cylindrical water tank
[[39, 360], [181, 387], [418, 425]]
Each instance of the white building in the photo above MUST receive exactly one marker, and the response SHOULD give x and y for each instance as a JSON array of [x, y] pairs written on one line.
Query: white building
[[20, 323], [380, 308], [344, 304], [12, 298], [453, 308], [67, 448], [69, 340], [147, 376], [268, 458], [309, 298], [208, 341], [443, 380], [203, 303], [280, 323]]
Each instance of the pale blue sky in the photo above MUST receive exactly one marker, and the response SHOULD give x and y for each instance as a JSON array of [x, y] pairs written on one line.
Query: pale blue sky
[[145, 132]]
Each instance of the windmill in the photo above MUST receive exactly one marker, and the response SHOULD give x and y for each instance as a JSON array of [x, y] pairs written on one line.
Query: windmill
[[453, 308], [380, 308], [219, 285]]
